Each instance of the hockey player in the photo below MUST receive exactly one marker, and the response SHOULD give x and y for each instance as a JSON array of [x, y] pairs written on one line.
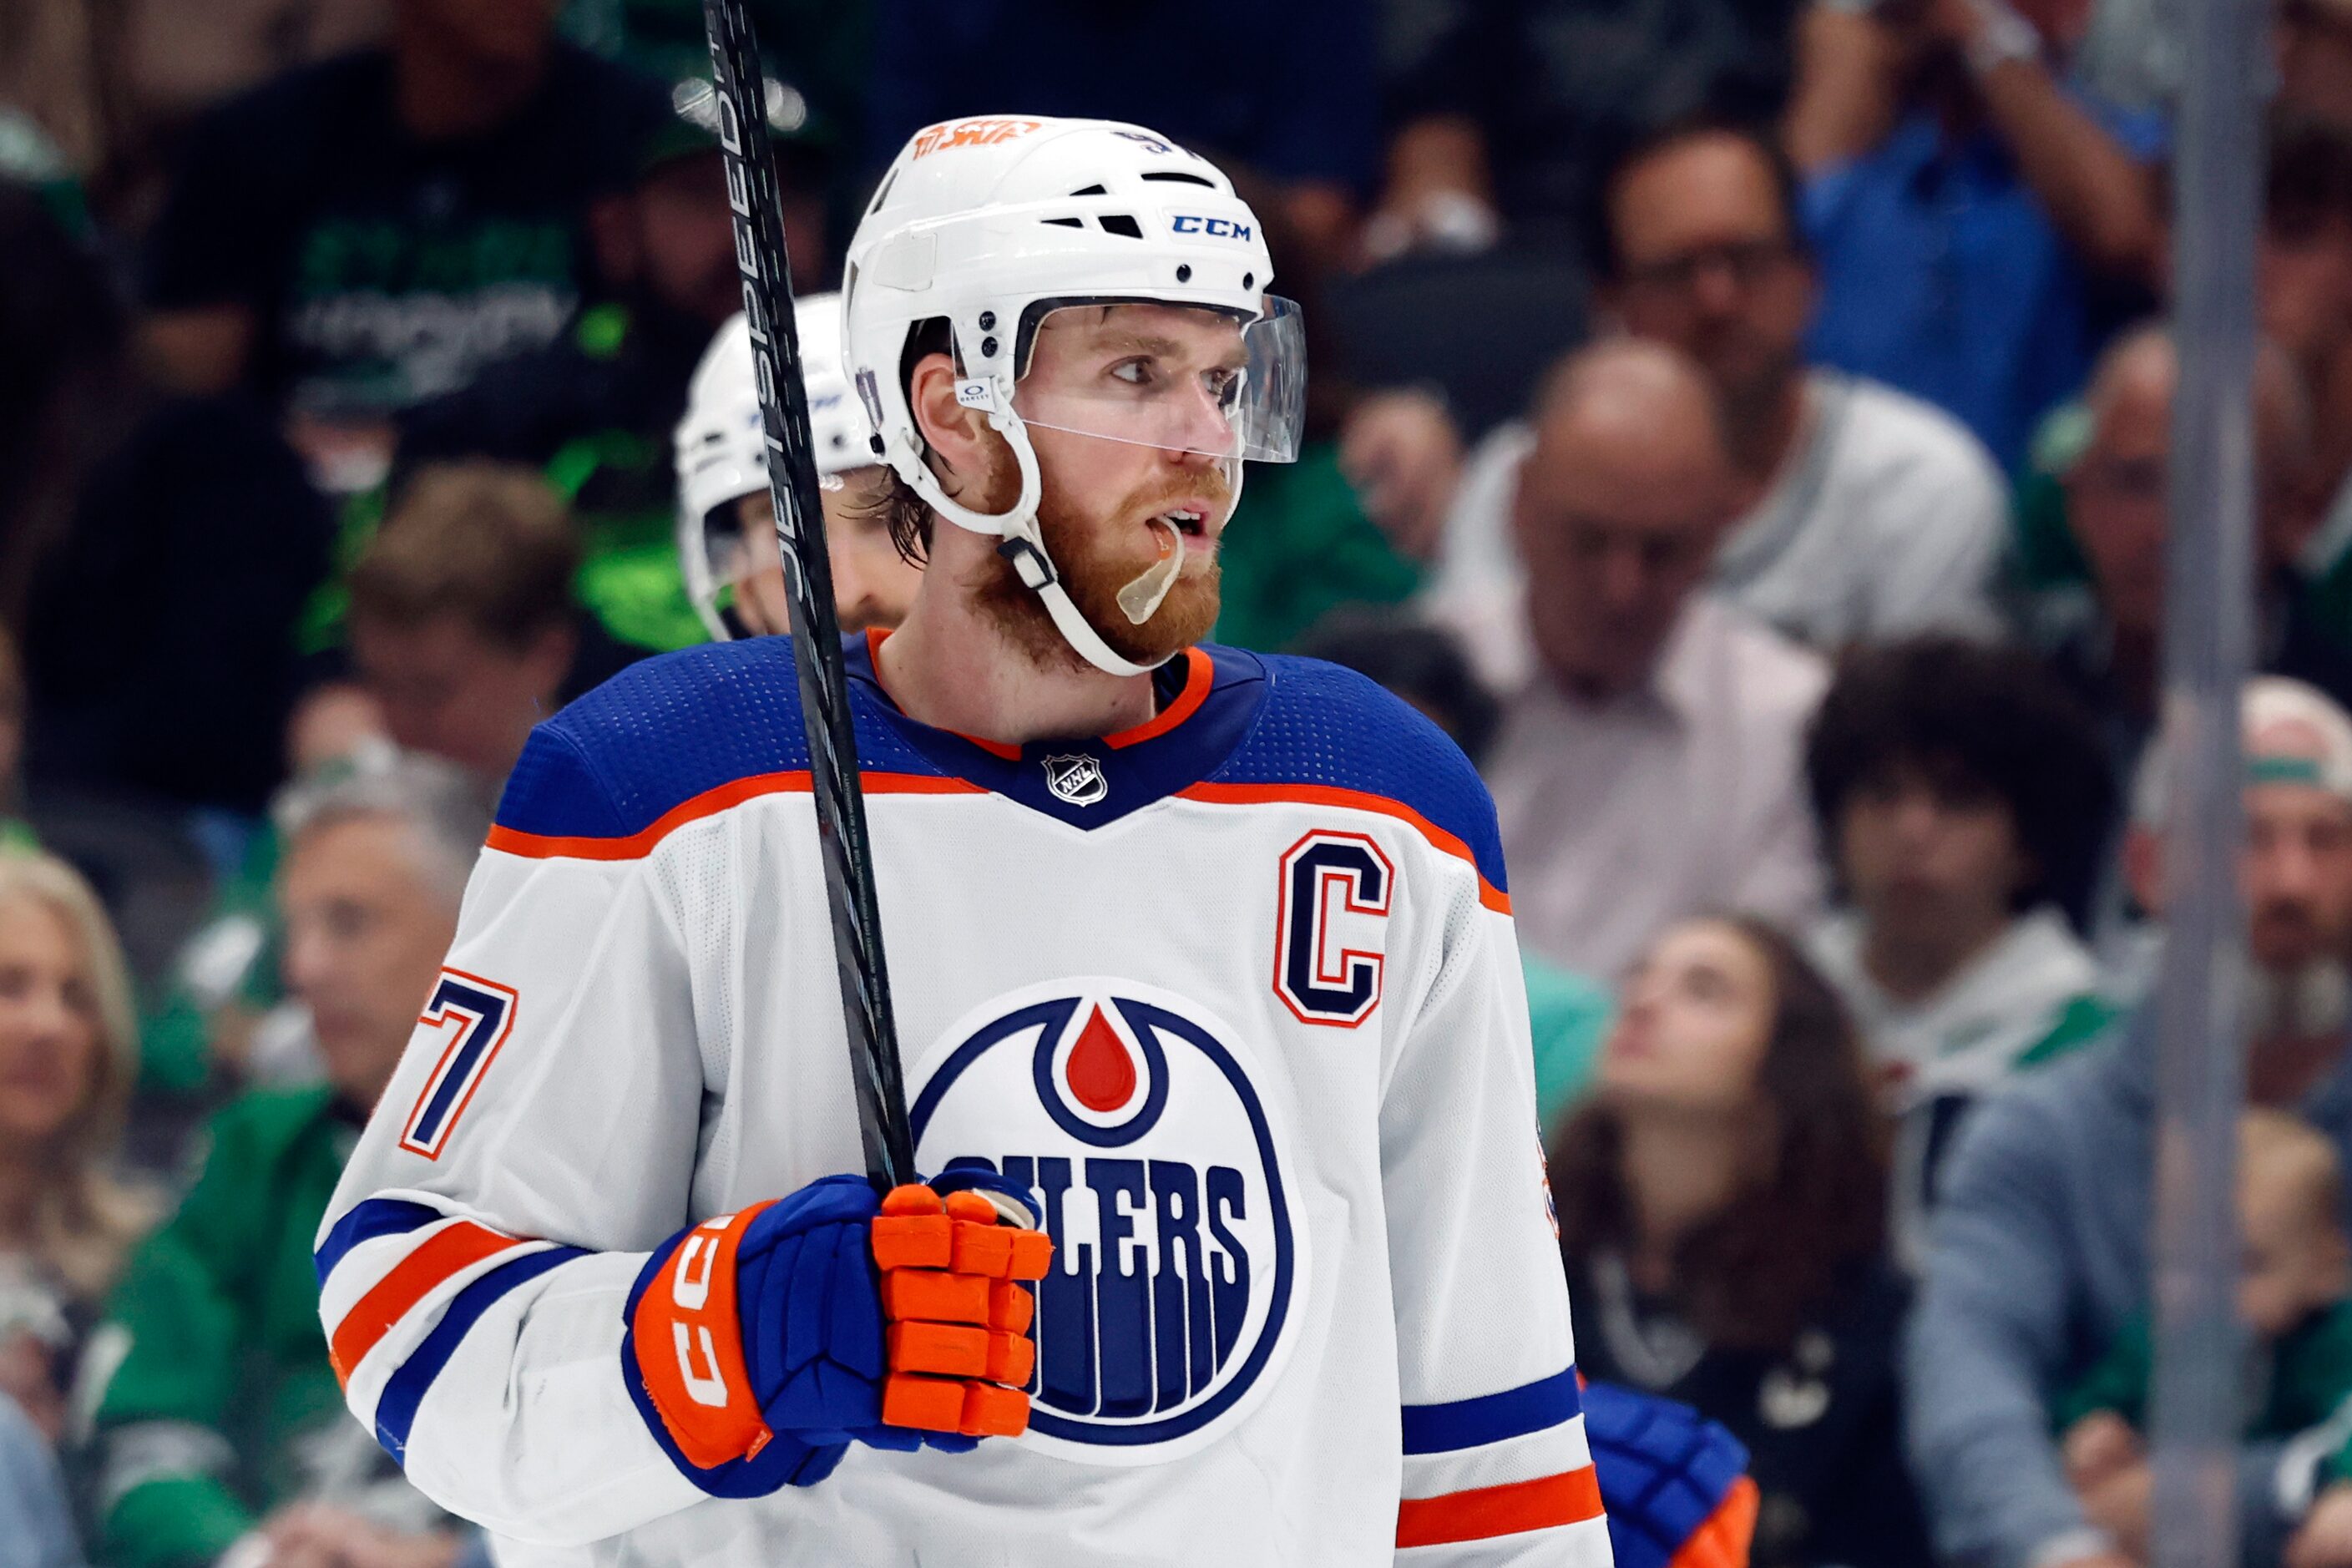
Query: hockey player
[[725, 527], [1203, 959]]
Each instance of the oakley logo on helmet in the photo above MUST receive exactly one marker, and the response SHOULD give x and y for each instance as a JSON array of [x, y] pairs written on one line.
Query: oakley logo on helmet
[[1214, 227], [970, 133]]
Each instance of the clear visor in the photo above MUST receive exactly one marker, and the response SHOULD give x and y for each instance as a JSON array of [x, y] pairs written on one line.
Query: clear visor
[[1184, 378], [735, 570]]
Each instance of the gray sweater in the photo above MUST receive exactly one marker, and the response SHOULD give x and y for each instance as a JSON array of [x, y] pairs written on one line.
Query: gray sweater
[[2038, 1253]]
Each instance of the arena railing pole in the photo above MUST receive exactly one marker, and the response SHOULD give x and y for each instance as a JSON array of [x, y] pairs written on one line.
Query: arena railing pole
[[2208, 614]]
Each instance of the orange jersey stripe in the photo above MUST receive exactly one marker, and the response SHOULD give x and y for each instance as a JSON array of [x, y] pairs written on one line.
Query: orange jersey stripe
[[1538, 1504], [1491, 896], [1200, 675], [709, 802], [414, 1278]]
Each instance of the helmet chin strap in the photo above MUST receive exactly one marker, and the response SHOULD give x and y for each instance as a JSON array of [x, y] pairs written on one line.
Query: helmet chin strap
[[1025, 546]]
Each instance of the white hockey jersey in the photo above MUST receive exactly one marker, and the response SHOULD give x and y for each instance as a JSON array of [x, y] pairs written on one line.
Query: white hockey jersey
[[1235, 992]]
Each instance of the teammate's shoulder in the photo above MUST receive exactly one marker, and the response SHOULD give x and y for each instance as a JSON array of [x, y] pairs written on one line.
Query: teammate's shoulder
[[1326, 732]]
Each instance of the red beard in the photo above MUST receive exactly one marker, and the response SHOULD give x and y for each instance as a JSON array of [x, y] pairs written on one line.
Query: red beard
[[1095, 557]]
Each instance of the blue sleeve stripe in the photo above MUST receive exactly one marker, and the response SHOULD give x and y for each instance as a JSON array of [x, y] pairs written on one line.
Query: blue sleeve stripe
[[1491, 1417], [395, 1410], [369, 1218]]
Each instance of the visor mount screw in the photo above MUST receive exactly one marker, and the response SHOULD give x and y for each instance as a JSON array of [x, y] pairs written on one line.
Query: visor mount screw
[[988, 348], [1184, 273], [1249, 279], [988, 321]]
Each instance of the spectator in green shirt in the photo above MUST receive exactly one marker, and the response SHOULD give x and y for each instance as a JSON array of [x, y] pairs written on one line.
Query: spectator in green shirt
[[223, 1421]]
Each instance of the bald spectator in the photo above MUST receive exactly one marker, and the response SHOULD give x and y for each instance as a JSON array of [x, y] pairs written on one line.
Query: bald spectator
[[2108, 646], [1648, 768], [1869, 514]]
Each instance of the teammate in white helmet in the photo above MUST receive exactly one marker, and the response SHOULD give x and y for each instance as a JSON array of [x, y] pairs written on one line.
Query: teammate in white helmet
[[1236, 1247], [726, 523]]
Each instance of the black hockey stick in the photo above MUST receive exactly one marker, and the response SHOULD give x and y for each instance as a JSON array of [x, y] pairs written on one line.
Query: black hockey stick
[[808, 574]]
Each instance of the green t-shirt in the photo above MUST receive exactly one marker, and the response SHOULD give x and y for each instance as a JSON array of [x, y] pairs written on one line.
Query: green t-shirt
[[2302, 1380], [1299, 545], [223, 1405], [1569, 1017]]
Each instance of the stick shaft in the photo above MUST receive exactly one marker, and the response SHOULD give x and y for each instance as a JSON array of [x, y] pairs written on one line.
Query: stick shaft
[[808, 573]]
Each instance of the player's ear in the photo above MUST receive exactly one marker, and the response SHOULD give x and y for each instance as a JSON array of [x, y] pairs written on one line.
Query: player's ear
[[959, 436]]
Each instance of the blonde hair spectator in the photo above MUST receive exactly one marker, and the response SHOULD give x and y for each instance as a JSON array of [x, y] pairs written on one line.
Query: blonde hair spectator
[[73, 1220]]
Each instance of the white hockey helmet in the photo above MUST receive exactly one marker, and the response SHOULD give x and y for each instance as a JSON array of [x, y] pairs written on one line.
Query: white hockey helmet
[[994, 223], [722, 450]]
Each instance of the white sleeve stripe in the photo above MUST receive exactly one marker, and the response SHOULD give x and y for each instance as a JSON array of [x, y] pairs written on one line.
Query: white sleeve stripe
[[1554, 1451], [382, 1358]]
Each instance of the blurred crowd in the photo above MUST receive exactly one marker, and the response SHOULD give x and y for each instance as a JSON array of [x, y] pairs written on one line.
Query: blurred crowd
[[1743, 424]]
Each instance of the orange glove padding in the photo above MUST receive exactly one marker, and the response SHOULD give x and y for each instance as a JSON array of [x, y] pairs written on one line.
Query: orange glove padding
[[958, 1315]]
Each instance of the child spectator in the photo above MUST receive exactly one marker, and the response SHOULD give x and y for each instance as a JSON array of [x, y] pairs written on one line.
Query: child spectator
[[1721, 1214], [2295, 1300], [1963, 802]]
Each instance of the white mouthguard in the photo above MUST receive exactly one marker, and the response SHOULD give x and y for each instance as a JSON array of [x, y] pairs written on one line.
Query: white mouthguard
[[1140, 599]]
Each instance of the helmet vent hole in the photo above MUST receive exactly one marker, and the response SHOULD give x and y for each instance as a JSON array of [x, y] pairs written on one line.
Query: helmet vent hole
[[1091, 191], [883, 194], [1066, 221], [1184, 273], [1249, 279], [1120, 222], [1173, 178]]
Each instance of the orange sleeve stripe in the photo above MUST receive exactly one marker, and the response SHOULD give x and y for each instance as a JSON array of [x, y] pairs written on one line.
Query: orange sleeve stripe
[[1540, 1504], [447, 1252], [1491, 896], [709, 802]]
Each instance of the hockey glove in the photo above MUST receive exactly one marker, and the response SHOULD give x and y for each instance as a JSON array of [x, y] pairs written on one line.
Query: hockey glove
[[1674, 1483], [757, 1348]]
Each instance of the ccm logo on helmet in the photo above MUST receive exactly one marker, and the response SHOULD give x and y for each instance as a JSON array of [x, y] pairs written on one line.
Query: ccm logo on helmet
[[1329, 929], [1214, 227]]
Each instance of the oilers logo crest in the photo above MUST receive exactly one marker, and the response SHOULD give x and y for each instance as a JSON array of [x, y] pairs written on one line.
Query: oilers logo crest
[[1145, 1132]]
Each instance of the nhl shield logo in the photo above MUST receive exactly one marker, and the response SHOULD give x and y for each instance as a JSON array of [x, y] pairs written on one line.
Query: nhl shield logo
[[1138, 1121], [1078, 780]]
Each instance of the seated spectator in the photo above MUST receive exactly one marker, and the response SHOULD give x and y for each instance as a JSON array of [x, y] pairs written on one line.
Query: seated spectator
[[1866, 514], [1872, 515], [2303, 294], [726, 532], [360, 235], [1721, 1213], [2038, 1255], [68, 1056], [1426, 667], [1649, 770], [224, 1419], [463, 623], [1963, 803], [595, 408], [2106, 642], [1976, 221], [2295, 1298]]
